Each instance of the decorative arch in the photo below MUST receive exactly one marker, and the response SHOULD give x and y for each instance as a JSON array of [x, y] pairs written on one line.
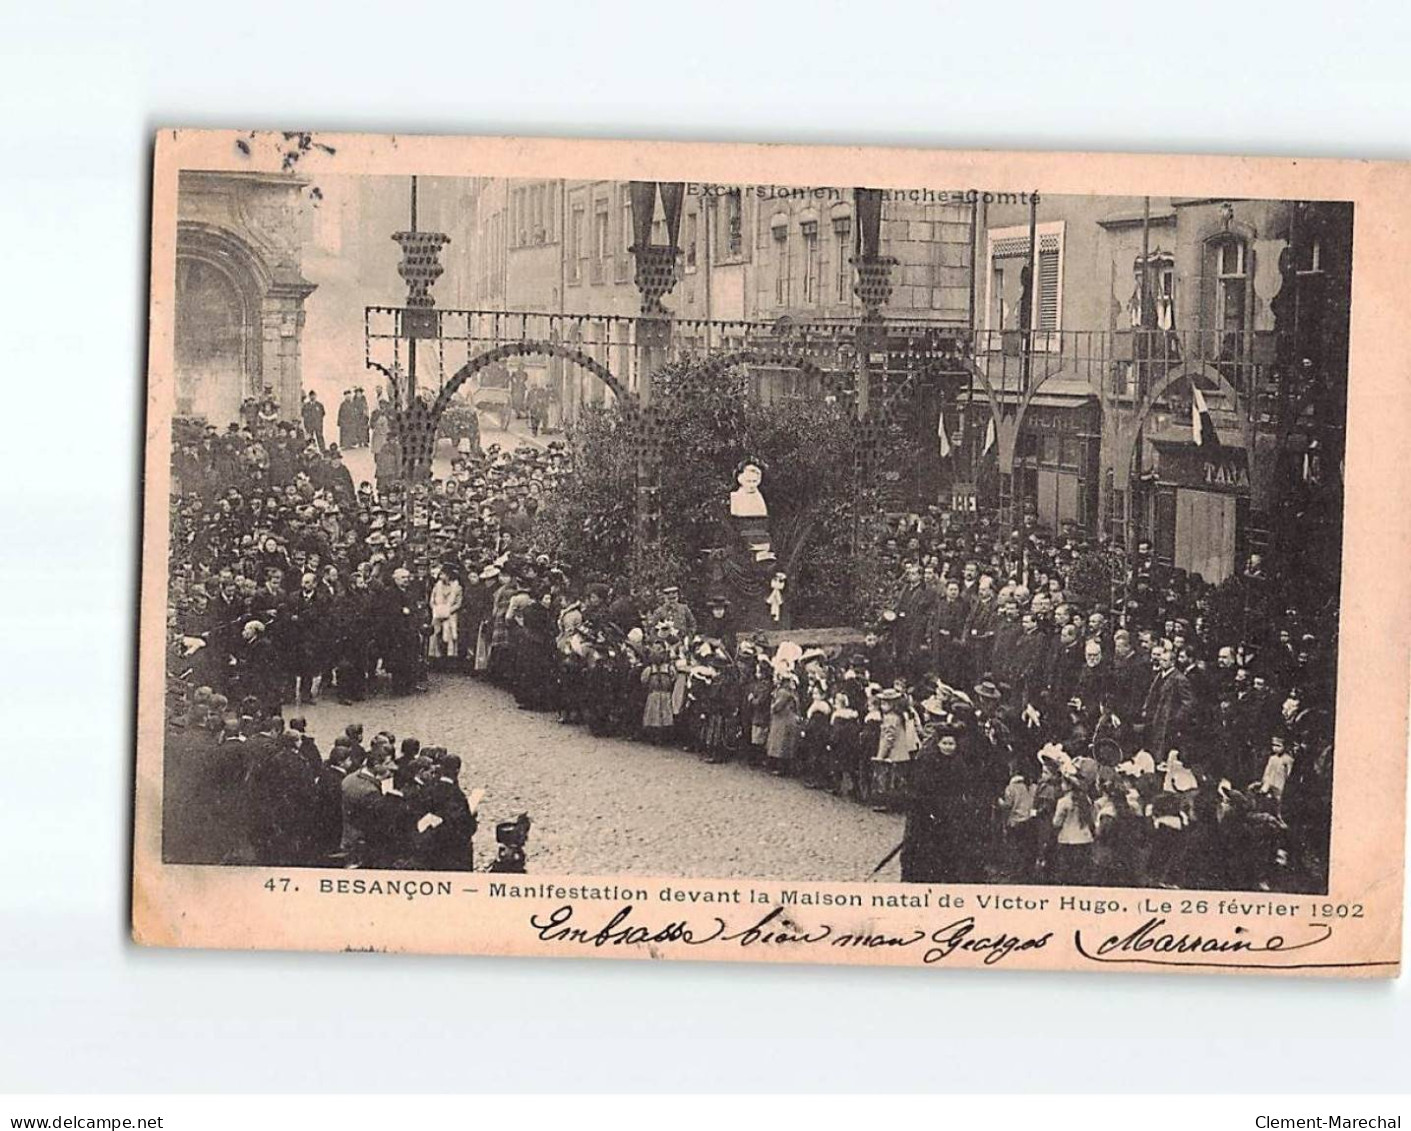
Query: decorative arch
[[1188, 373], [224, 249], [831, 382], [246, 275], [1007, 427], [523, 348]]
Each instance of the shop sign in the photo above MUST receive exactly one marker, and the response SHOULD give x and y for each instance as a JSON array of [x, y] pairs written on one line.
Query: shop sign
[[1214, 469], [1067, 421]]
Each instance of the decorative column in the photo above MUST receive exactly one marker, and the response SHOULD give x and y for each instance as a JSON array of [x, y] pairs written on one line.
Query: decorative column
[[873, 288], [282, 331], [420, 268], [655, 277], [655, 274]]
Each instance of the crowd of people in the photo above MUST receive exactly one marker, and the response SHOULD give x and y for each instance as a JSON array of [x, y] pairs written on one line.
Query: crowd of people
[[1029, 729], [1026, 737], [244, 785], [288, 582]]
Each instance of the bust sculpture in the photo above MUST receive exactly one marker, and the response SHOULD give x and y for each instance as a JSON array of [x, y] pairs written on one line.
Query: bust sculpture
[[746, 500], [741, 572]]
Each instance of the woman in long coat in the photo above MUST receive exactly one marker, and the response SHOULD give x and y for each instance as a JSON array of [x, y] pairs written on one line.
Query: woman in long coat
[[498, 663], [943, 823], [783, 725]]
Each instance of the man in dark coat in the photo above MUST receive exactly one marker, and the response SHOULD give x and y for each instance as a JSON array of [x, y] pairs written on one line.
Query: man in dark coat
[[362, 430], [1093, 683], [980, 630], [915, 604], [336, 478], [312, 412], [947, 633], [305, 622], [445, 844], [362, 809], [403, 612], [354, 624], [281, 792], [326, 825], [1024, 667], [347, 420], [1065, 662], [1130, 677], [1168, 706]]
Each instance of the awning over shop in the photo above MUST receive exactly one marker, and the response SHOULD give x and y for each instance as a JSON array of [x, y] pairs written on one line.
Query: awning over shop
[[1056, 392]]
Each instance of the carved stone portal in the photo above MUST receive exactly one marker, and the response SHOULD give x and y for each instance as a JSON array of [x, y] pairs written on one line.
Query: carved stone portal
[[240, 293]]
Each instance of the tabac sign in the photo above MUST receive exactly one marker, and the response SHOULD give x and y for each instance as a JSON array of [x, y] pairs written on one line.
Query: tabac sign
[[1204, 469]]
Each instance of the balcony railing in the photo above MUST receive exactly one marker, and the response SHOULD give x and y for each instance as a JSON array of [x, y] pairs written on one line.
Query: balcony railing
[[1126, 363], [1123, 364]]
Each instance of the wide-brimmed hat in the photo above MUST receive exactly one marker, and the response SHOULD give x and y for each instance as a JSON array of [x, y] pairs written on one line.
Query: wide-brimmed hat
[[988, 689], [935, 708]]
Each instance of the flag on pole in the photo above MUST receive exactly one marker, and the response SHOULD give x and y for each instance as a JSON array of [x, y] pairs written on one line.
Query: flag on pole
[[942, 436], [1310, 463], [1202, 427], [989, 437]]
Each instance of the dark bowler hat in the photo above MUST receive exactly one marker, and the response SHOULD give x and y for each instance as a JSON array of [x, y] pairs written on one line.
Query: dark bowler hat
[[951, 726]]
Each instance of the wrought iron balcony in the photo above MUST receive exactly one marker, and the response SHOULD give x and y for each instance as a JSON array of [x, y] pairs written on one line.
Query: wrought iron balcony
[[1126, 363]]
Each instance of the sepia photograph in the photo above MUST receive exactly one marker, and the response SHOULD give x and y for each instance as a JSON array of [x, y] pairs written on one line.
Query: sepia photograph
[[926, 535], [845, 564]]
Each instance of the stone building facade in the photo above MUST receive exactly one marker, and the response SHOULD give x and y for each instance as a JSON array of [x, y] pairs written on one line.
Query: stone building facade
[[748, 254], [1093, 429], [240, 292]]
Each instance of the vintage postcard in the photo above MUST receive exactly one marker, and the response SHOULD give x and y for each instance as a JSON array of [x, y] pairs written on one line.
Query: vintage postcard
[[770, 553]]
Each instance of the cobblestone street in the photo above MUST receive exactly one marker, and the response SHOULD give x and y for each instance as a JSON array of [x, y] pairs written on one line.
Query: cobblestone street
[[606, 806]]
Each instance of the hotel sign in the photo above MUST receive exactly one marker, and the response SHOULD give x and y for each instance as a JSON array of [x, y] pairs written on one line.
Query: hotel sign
[[1074, 420], [1205, 469]]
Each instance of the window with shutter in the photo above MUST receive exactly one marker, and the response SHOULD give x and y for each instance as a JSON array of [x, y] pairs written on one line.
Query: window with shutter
[[1048, 291], [624, 235], [810, 262], [1009, 250], [842, 229]]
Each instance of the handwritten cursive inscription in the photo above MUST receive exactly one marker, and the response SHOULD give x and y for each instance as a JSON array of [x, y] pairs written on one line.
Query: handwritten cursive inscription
[[1153, 944], [963, 936], [775, 929], [617, 931]]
